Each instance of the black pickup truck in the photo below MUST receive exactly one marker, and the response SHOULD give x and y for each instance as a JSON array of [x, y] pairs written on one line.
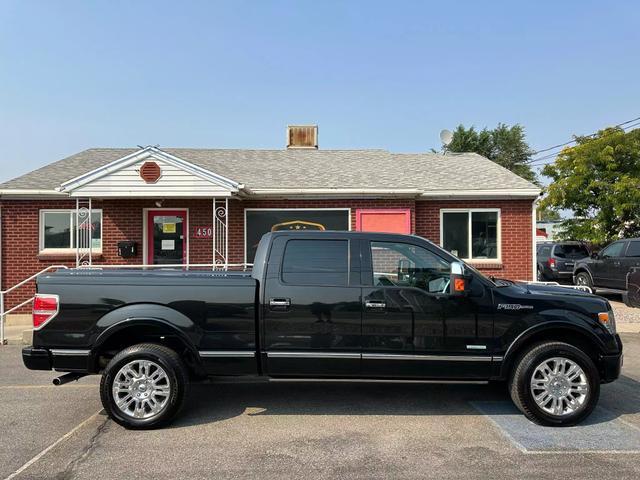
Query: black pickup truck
[[324, 305]]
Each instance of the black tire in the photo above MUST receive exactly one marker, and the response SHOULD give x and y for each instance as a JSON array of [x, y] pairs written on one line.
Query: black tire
[[524, 368], [177, 377], [540, 275], [583, 278]]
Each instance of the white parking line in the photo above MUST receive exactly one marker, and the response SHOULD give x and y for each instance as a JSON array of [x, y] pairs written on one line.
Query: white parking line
[[564, 447], [15, 387], [52, 446]]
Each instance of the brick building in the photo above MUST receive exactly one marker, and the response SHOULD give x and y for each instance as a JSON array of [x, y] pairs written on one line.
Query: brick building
[[178, 206]]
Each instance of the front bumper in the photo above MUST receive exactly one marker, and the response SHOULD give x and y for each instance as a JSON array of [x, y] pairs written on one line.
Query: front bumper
[[611, 365]]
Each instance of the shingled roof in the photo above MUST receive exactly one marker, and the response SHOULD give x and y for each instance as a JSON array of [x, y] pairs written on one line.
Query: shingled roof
[[298, 170]]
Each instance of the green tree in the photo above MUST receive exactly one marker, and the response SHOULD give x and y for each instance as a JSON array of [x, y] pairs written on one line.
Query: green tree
[[547, 213], [599, 180], [507, 146]]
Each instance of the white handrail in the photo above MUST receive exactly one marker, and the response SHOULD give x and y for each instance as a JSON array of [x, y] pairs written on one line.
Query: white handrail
[[187, 266], [582, 288], [4, 313]]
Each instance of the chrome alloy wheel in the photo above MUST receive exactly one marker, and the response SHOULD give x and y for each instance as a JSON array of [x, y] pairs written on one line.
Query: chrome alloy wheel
[[141, 389], [559, 386]]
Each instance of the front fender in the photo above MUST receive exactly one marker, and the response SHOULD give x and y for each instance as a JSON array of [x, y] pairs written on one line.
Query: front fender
[[585, 332]]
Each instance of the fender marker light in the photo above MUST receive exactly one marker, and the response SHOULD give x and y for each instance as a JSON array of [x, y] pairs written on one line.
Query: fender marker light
[[603, 318]]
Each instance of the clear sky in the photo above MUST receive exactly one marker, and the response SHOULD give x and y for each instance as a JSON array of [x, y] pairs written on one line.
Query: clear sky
[[80, 74]]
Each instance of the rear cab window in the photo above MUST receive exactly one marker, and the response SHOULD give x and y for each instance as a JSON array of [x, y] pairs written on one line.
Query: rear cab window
[[316, 262]]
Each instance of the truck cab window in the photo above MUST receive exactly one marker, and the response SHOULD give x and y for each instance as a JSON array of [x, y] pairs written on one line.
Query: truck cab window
[[316, 262], [405, 265]]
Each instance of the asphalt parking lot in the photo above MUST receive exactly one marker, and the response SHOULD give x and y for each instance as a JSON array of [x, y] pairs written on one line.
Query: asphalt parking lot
[[314, 430]]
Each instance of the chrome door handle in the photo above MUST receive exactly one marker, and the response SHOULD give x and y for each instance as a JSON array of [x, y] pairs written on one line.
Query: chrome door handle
[[279, 303], [375, 304]]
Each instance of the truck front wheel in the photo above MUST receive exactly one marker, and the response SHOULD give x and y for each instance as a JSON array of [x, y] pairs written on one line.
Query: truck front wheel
[[555, 384], [144, 386]]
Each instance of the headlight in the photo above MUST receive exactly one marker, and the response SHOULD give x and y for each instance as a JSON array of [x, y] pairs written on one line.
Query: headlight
[[608, 319]]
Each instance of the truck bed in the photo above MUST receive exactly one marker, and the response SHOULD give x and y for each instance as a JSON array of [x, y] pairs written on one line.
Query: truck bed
[[215, 310]]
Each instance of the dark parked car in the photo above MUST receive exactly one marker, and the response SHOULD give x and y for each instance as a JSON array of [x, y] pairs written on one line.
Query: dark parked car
[[328, 305], [557, 259], [609, 268], [632, 295]]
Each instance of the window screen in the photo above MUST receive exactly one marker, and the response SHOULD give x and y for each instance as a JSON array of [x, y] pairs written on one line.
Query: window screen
[[471, 234], [455, 233], [316, 262], [484, 234], [58, 229]]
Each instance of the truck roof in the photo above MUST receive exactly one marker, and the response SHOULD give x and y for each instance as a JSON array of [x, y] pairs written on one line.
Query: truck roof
[[343, 233]]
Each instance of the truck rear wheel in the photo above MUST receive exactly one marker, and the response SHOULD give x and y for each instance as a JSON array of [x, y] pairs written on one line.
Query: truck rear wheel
[[144, 386], [555, 384]]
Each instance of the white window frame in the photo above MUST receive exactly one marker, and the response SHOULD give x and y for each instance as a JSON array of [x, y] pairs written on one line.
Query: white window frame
[[72, 213], [469, 212], [244, 243]]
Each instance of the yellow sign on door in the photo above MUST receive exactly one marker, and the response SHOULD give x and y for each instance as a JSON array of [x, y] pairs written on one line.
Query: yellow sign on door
[[168, 228]]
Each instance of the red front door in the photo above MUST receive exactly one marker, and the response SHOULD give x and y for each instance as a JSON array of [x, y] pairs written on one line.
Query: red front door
[[167, 236]]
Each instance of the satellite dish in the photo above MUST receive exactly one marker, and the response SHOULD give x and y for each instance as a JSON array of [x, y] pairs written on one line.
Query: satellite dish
[[446, 137]]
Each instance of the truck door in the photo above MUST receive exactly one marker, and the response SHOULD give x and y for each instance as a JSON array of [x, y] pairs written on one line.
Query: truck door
[[411, 326], [312, 313], [629, 260], [611, 267]]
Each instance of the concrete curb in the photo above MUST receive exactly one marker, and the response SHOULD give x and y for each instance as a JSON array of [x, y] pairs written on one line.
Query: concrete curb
[[628, 327]]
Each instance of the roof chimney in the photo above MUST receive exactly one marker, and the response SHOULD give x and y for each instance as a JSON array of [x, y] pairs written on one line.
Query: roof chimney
[[302, 136]]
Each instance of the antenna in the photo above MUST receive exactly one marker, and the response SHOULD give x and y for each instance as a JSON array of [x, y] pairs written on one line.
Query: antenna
[[446, 137]]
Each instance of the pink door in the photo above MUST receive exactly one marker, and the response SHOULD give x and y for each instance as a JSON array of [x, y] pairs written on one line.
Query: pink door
[[388, 220]]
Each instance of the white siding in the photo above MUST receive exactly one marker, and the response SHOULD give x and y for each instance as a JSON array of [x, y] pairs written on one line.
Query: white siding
[[173, 182]]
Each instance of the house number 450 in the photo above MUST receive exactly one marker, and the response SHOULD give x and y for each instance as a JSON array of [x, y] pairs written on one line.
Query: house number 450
[[202, 232]]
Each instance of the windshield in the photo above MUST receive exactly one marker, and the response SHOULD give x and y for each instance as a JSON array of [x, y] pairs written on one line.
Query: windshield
[[571, 251]]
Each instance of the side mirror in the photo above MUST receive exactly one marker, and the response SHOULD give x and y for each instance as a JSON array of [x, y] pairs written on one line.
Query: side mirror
[[459, 281], [594, 255]]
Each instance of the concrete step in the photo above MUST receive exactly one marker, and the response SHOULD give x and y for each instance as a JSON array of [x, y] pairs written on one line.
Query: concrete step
[[18, 335], [18, 319]]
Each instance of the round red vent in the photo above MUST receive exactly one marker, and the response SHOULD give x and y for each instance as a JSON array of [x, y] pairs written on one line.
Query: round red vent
[[150, 172]]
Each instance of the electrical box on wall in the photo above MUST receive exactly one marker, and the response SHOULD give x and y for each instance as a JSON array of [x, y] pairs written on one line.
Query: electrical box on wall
[[127, 249]]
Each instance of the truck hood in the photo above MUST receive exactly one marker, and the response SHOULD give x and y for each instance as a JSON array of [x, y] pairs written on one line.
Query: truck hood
[[537, 289]]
